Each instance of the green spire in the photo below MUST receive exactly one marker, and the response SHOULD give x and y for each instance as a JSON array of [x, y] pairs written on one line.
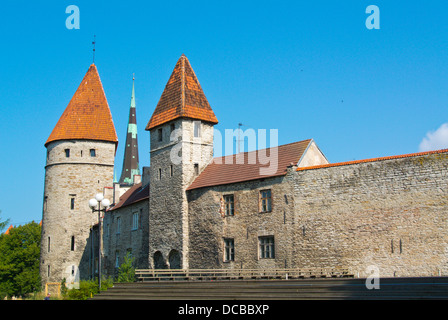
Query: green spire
[[130, 161], [133, 93]]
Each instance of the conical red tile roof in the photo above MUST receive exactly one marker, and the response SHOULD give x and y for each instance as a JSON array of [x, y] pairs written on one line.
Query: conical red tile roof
[[87, 116], [182, 98]]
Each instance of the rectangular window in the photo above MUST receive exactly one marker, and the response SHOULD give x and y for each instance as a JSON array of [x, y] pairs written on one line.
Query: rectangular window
[[72, 245], [265, 201], [48, 270], [48, 244], [72, 203], [197, 128], [229, 205], [171, 170], [267, 248], [196, 168], [229, 250], [45, 203], [160, 134], [67, 153], [118, 225], [135, 221], [160, 174], [117, 259], [92, 152]]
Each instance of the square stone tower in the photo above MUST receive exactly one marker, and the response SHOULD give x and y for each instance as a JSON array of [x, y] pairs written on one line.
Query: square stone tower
[[181, 138]]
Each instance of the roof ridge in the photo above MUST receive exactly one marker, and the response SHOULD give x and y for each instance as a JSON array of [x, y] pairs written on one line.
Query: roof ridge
[[182, 88], [345, 163], [224, 172]]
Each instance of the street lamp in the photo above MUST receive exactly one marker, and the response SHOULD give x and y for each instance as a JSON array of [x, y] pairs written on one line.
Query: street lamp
[[95, 203]]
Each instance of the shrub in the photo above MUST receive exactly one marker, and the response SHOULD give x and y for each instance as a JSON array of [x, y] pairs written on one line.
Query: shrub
[[87, 289], [126, 272]]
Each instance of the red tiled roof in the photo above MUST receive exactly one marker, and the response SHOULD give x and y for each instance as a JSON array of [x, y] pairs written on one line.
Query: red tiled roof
[[372, 160], [9, 229], [87, 116], [225, 170], [182, 97], [135, 194]]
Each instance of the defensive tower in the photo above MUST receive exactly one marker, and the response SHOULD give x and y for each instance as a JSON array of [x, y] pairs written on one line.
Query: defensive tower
[[80, 162], [181, 146]]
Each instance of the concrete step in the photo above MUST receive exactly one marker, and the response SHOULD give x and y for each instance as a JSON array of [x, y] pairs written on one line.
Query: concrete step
[[390, 288]]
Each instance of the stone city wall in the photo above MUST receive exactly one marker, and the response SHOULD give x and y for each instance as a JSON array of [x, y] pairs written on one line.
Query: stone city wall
[[392, 214]]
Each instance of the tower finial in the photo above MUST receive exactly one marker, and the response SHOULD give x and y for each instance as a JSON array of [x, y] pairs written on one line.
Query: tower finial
[[93, 42]]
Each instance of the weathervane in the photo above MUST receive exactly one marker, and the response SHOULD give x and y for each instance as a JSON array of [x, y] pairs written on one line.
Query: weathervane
[[93, 42]]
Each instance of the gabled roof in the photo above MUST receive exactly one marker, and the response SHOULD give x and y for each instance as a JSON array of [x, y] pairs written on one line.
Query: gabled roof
[[225, 170], [135, 194], [182, 97], [87, 116]]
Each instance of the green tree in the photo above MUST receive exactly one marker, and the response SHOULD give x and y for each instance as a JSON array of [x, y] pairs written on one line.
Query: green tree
[[126, 272], [3, 224], [19, 260]]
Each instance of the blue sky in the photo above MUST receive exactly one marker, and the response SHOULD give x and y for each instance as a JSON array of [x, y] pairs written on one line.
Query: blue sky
[[310, 69]]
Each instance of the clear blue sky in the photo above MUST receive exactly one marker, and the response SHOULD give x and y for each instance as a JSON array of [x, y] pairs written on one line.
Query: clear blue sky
[[310, 69]]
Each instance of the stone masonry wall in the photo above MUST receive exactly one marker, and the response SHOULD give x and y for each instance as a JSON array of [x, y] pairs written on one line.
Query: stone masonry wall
[[392, 214], [118, 241], [168, 219], [80, 177], [209, 226]]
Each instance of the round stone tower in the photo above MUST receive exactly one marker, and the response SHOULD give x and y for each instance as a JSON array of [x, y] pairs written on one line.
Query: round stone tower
[[80, 163]]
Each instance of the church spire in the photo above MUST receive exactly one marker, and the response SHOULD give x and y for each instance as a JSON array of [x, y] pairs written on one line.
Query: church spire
[[130, 161]]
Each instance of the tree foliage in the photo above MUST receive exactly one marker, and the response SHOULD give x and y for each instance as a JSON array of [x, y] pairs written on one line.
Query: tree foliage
[[19, 260], [126, 272], [3, 224]]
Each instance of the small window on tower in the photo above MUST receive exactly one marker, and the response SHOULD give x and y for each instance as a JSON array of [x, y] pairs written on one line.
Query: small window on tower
[[197, 128], [92, 152], [196, 168], [72, 244], [72, 203], [45, 203], [67, 153], [160, 134]]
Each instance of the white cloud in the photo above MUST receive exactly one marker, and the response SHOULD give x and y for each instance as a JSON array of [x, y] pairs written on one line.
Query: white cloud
[[435, 140]]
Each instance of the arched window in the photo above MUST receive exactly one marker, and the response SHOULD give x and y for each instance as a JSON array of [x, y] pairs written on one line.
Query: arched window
[[174, 259], [159, 262]]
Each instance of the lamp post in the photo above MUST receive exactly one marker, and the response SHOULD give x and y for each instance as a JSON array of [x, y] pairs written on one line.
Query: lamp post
[[95, 204]]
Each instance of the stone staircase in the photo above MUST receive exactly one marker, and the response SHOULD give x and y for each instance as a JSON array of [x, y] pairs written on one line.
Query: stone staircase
[[302, 289]]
